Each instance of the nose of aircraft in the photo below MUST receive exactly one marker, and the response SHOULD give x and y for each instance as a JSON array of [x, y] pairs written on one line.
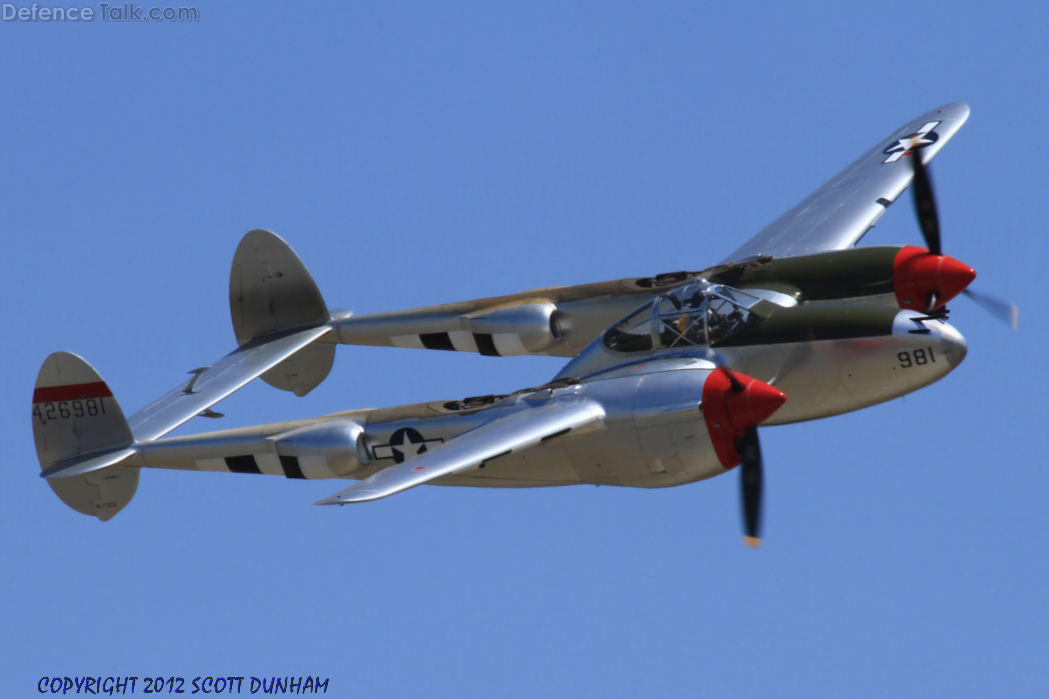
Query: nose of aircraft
[[952, 343], [916, 331]]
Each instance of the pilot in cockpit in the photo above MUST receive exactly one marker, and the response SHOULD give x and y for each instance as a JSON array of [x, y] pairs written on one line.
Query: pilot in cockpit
[[696, 314]]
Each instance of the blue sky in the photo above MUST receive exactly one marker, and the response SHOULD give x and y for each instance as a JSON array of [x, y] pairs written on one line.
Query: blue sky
[[415, 153]]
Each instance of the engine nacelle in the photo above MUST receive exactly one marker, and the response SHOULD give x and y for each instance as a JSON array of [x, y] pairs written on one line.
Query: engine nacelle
[[673, 408], [911, 273], [519, 329]]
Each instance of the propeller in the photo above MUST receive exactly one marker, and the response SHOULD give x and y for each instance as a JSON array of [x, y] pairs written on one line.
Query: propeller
[[733, 406], [751, 477], [925, 205], [751, 472], [947, 275], [1001, 309]]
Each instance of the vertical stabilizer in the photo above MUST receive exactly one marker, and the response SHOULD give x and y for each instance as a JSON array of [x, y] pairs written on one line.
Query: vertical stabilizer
[[270, 292], [76, 420]]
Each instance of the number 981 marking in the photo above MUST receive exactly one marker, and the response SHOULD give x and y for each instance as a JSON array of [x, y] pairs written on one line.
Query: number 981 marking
[[918, 357]]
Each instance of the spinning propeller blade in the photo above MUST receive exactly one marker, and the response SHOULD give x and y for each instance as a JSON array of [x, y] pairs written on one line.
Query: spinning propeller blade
[[950, 274], [925, 205], [1001, 309], [721, 363], [750, 481]]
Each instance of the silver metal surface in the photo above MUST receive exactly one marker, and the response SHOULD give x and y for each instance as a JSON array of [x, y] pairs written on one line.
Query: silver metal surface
[[226, 376], [839, 213], [270, 289], [333, 441], [272, 292], [517, 329], [831, 377], [639, 426], [653, 434], [80, 434], [519, 430], [527, 326]]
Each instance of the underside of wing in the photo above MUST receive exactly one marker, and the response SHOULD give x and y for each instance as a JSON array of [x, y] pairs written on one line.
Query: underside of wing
[[838, 214], [521, 429]]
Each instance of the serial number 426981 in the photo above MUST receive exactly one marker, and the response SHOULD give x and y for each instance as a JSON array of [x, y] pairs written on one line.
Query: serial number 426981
[[64, 409]]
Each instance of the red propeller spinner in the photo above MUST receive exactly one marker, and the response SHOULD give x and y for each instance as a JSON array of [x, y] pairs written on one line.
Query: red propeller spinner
[[924, 281], [733, 407], [732, 403]]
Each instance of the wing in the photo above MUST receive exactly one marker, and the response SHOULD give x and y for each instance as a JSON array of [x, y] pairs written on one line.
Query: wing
[[519, 430], [839, 213], [561, 321]]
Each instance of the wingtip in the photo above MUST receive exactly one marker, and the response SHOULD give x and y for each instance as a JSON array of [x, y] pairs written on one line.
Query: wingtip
[[351, 496]]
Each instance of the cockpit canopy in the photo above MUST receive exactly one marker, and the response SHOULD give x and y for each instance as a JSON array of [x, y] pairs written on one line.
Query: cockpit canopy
[[696, 314]]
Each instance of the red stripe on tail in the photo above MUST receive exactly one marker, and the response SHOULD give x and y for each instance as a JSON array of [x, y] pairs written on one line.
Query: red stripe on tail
[[76, 391]]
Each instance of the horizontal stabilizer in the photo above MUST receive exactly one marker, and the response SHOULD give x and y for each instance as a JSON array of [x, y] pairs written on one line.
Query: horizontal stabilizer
[[518, 430], [210, 385], [79, 465]]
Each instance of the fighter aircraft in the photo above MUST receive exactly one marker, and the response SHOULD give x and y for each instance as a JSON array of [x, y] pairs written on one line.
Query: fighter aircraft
[[669, 379]]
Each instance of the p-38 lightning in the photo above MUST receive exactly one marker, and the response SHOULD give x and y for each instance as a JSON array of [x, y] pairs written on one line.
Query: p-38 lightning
[[669, 379]]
